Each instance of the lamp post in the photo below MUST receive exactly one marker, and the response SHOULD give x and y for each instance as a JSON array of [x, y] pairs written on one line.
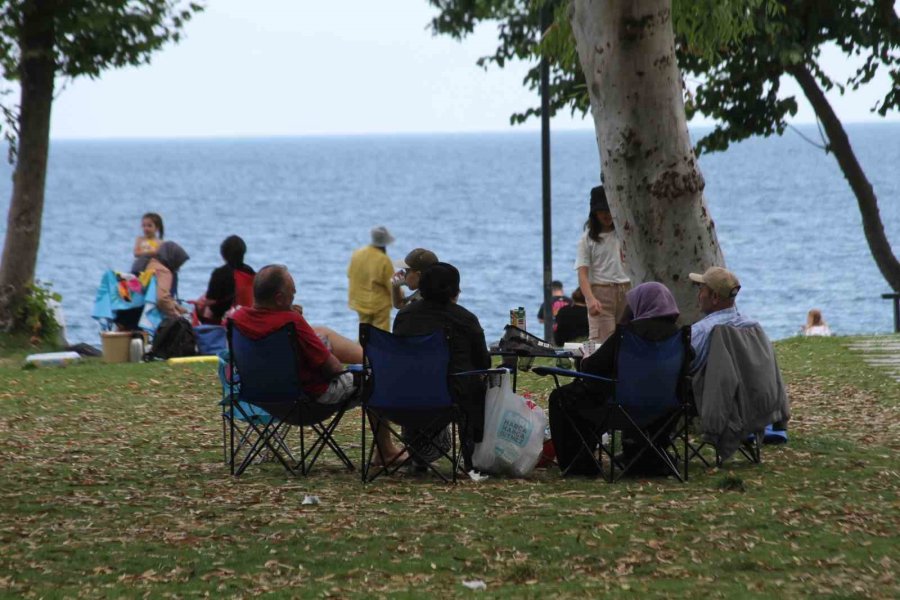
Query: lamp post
[[545, 180]]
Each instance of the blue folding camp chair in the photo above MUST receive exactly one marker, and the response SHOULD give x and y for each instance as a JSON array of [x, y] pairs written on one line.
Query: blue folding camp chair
[[407, 383], [211, 339], [267, 371], [649, 402], [241, 431]]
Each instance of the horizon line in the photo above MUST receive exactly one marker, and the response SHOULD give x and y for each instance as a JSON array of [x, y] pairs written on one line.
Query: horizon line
[[513, 130]]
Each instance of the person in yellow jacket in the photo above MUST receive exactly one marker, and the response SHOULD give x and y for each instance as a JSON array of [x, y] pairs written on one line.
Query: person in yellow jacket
[[370, 273]]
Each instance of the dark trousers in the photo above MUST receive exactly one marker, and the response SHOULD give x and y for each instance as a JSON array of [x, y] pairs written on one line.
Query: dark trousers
[[571, 408]]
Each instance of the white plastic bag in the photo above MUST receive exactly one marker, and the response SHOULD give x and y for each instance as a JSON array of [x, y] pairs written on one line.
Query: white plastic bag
[[513, 433]]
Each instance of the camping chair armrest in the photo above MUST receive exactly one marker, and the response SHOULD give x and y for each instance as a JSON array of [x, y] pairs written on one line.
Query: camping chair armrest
[[542, 371], [482, 372], [355, 368], [556, 372]]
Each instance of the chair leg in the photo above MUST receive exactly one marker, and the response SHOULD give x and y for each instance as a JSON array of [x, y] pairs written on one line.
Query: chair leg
[[612, 455], [231, 440], [585, 446], [303, 470], [650, 444], [325, 438], [362, 459], [264, 440], [455, 459], [409, 447], [224, 439]]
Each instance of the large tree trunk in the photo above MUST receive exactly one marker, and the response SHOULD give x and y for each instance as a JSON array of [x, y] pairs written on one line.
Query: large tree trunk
[[865, 195], [654, 185], [23, 231]]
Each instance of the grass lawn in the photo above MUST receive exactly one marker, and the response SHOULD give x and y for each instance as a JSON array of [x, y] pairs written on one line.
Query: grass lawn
[[112, 484]]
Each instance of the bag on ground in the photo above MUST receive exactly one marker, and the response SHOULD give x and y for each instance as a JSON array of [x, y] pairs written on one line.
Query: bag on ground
[[513, 433], [174, 337]]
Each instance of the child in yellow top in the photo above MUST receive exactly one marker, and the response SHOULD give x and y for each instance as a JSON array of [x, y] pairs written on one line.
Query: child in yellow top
[[145, 246]]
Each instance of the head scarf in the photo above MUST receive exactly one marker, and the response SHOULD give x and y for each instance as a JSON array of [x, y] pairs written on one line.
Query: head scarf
[[651, 300], [172, 256]]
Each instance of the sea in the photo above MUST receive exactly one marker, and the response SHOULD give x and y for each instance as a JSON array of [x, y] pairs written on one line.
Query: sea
[[786, 218]]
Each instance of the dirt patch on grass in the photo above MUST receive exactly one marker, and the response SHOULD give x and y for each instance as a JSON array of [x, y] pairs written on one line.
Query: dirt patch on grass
[[856, 415]]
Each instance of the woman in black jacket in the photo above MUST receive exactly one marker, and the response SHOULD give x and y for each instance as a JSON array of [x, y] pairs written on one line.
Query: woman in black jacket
[[438, 311], [652, 315], [222, 293]]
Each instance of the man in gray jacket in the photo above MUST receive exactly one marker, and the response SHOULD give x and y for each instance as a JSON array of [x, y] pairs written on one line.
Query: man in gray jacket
[[737, 384]]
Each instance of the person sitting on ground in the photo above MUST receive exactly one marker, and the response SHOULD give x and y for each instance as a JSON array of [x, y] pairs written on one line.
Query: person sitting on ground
[[415, 263], [319, 370], [229, 285], [652, 315], [717, 290], [815, 324], [438, 311], [572, 320], [558, 301], [165, 266]]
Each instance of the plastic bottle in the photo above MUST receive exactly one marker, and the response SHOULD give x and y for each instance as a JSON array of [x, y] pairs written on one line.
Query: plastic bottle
[[136, 350]]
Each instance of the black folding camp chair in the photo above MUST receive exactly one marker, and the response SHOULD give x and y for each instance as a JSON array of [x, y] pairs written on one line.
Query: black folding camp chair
[[709, 455], [648, 405], [267, 368]]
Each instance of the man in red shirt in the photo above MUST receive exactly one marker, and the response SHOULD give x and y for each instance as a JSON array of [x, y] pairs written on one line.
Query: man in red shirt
[[320, 368]]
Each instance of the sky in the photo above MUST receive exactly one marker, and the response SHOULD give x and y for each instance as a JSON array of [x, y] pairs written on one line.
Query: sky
[[298, 67]]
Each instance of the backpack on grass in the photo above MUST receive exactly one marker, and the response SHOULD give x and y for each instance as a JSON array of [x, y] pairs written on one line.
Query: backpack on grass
[[174, 337]]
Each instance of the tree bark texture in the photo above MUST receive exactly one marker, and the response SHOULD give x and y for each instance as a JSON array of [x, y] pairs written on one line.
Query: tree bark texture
[[652, 179], [859, 183], [23, 231]]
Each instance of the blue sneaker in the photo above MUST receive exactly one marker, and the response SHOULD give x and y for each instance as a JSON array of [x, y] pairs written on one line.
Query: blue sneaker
[[775, 436]]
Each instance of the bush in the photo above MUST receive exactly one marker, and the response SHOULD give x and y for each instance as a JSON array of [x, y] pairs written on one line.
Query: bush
[[34, 315]]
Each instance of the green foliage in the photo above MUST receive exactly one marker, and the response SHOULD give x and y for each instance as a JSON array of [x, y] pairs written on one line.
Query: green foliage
[[34, 314], [707, 23], [91, 36], [521, 38], [705, 26], [738, 49], [740, 85]]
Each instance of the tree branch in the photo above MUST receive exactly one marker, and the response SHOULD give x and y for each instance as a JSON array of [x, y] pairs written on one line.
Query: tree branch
[[865, 194]]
